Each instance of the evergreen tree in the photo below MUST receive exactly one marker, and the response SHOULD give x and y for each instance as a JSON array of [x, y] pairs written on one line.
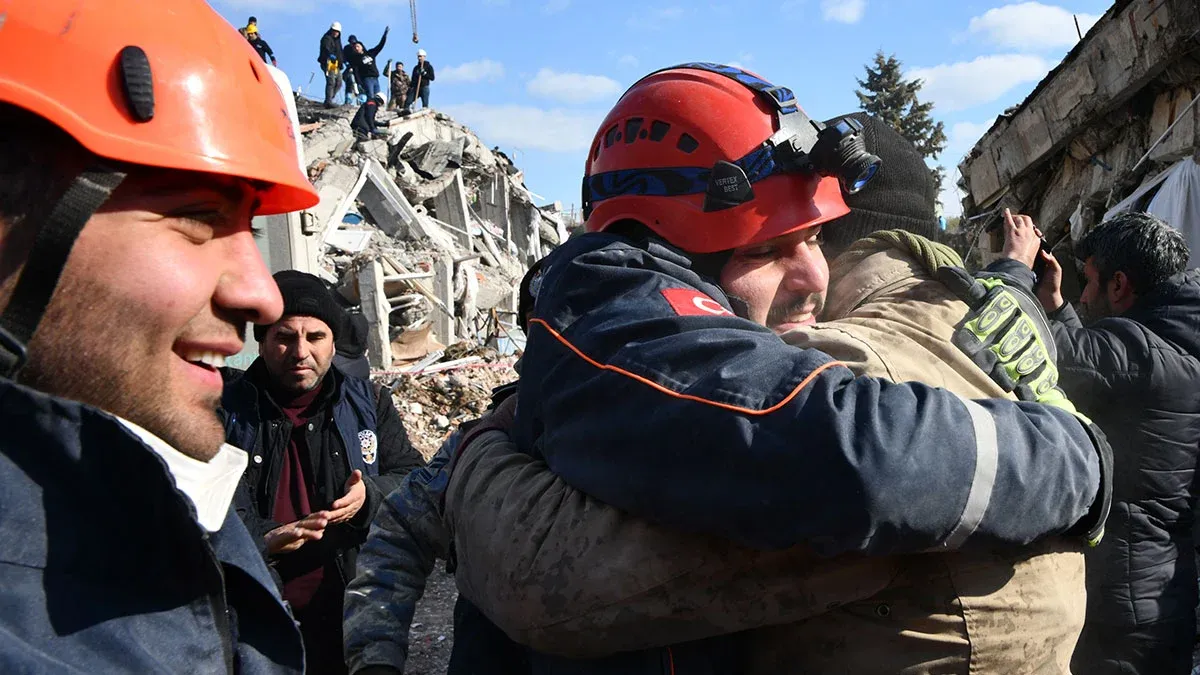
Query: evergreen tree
[[893, 99]]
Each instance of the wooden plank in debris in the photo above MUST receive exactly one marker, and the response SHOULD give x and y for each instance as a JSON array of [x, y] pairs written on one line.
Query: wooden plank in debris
[[443, 289], [305, 128]]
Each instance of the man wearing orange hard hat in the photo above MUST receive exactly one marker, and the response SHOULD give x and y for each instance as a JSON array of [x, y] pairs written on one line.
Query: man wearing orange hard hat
[[128, 272]]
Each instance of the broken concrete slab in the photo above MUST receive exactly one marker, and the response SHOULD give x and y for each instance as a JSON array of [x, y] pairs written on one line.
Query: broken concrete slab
[[451, 207], [432, 159], [377, 149]]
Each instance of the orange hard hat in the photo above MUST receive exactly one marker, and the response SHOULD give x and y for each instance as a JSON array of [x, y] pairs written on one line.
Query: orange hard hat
[[164, 83], [712, 158]]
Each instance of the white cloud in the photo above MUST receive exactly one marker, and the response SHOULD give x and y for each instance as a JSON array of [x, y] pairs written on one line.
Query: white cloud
[[556, 6], [628, 61], [949, 194], [572, 87], [957, 86], [654, 19], [472, 71], [527, 127], [843, 11], [960, 140], [1030, 26]]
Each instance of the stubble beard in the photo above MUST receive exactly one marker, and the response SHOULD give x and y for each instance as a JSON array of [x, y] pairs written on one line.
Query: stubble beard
[[90, 349]]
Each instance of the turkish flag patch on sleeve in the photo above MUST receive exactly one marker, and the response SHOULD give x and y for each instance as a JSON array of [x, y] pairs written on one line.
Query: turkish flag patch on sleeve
[[687, 302]]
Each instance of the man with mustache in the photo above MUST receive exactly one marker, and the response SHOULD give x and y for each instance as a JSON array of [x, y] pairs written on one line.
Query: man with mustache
[[325, 448], [784, 271]]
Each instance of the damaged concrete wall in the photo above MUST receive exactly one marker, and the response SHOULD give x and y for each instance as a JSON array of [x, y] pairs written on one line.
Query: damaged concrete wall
[[1094, 127], [423, 226]]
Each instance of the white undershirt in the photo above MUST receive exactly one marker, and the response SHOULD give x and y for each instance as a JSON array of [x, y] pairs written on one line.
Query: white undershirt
[[210, 485]]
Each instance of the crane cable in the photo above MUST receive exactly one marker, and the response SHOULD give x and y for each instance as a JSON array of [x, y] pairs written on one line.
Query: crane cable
[[412, 6]]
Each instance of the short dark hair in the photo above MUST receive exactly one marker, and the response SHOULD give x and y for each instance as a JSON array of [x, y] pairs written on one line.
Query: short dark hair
[[253, 20], [1139, 244], [35, 156]]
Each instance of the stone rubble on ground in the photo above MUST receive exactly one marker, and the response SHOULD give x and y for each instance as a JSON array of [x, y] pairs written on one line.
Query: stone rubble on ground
[[429, 232]]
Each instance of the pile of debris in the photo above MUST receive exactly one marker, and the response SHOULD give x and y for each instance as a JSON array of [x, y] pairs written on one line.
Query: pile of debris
[[425, 229]]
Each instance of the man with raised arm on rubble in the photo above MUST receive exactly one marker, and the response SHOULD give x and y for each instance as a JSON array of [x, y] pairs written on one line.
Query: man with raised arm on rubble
[[781, 283]]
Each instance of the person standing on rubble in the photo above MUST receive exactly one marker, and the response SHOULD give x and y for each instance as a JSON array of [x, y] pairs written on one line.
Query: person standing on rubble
[[128, 272], [1078, 485], [1135, 367], [260, 45], [350, 74], [331, 61], [399, 84], [365, 67], [422, 75], [325, 449]]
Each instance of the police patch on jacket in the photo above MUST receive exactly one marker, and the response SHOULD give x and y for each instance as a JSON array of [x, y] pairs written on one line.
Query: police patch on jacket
[[369, 444]]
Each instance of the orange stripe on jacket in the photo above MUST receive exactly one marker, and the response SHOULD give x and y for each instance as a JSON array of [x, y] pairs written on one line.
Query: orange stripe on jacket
[[620, 371]]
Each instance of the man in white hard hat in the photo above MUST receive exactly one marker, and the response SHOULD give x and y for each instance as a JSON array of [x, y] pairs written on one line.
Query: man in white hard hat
[[422, 75], [330, 59]]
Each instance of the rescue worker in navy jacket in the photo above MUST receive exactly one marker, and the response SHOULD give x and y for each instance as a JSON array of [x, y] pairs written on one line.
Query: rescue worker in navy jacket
[[1135, 369], [119, 549], [325, 448]]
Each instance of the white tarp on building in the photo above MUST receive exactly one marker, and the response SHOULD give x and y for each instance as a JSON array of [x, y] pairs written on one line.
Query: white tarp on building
[[1177, 202]]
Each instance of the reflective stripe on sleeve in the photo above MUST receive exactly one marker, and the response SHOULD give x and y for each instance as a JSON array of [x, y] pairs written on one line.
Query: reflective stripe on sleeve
[[987, 456]]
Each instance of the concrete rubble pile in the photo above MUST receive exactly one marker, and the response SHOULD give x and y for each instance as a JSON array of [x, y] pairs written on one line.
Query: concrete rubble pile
[[429, 232]]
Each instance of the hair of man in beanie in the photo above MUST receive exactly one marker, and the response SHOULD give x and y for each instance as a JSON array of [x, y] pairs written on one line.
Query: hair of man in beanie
[[902, 196], [306, 295]]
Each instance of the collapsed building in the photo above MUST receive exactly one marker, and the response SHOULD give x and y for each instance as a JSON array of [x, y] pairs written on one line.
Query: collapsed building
[[427, 233], [1114, 127]]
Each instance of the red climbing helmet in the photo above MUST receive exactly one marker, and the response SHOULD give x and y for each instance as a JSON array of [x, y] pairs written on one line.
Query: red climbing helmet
[[712, 158]]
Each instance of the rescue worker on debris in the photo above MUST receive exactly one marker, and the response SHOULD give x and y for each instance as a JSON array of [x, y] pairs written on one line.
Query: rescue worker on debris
[[399, 84], [260, 45], [128, 272], [325, 449], [1135, 367], [804, 286], [366, 70], [350, 73], [364, 123], [331, 61], [422, 76]]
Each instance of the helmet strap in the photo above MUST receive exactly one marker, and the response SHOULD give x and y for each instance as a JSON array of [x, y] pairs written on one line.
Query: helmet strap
[[43, 268]]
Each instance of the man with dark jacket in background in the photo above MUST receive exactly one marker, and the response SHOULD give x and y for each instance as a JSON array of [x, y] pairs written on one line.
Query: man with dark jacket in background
[[1135, 370], [350, 74], [260, 45], [324, 451], [422, 75], [366, 70], [330, 59]]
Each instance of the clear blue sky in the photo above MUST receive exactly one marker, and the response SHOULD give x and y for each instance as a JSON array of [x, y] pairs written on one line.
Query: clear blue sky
[[536, 77]]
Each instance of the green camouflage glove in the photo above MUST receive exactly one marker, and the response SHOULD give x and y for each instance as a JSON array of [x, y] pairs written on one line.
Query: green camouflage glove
[[1007, 335]]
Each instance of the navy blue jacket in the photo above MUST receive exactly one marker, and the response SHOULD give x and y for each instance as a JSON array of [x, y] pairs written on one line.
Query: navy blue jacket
[[641, 388], [1138, 377], [103, 567]]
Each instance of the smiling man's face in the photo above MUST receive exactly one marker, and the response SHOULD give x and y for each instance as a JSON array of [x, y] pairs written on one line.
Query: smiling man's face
[[783, 281], [297, 352], [156, 293]]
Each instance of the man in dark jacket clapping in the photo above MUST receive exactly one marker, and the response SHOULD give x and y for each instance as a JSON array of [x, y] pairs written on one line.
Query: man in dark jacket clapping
[[325, 448], [1135, 370]]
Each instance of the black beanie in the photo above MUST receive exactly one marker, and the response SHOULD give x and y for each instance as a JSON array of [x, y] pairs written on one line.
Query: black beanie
[[902, 196], [306, 295]]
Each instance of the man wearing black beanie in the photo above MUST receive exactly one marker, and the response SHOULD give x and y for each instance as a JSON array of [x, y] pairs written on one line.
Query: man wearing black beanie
[[325, 449], [903, 193]]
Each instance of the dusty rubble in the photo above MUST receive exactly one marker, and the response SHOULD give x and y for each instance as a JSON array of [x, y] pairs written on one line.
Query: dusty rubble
[[428, 232], [426, 229]]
